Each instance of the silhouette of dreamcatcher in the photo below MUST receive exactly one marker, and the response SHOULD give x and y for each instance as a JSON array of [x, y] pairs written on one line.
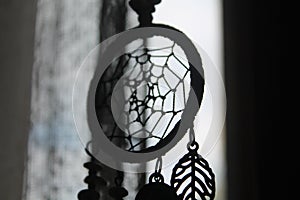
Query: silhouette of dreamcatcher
[[145, 101]]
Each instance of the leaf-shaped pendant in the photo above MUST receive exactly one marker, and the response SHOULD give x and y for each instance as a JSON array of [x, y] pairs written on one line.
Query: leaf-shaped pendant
[[192, 177]]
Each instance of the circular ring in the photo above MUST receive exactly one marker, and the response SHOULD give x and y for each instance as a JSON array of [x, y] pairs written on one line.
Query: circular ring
[[113, 50], [87, 126], [197, 84], [157, 177], [193, 146]]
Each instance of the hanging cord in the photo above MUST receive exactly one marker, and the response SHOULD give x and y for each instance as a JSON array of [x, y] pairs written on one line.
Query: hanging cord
[[158, 165], [157, 176], [118, 192], [192, 144], [93, 180], [144, 9], [142, 109]]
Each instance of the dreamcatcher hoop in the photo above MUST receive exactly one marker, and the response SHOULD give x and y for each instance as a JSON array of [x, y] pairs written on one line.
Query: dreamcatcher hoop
[[112, 48], [196, 82], [192, 177], [115, 49], [214, 89]]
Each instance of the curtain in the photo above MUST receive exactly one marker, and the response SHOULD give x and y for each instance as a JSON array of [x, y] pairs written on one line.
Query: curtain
[[66, 30]]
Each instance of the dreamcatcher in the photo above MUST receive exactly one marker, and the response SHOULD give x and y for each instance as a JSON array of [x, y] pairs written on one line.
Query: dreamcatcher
[[144, 103]]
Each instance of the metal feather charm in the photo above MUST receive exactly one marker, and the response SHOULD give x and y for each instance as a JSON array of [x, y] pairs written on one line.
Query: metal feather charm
[[192, 177]]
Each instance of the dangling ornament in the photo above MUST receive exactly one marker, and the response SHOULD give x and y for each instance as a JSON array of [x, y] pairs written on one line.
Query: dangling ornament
[[118, 192], [93, 180], [156, 189], [192, 177], [153, 96]]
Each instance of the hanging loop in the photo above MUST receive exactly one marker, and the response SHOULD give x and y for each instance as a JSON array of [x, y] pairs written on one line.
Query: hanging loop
[[156, 177], [194, 146], [158, 165], [192, 141], [144, 9]]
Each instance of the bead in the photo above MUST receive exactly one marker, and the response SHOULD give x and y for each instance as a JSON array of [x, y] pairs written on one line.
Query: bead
[[118, 193], [92, 166], [95, 180], [88, 194]]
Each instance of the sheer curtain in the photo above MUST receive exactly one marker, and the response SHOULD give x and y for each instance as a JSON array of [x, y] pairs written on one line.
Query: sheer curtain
[[66, 30]]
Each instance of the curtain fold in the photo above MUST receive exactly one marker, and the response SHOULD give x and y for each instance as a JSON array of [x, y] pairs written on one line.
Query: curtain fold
[[66, 30]]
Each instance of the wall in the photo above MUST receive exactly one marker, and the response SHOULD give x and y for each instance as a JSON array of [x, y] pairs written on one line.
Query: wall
[[17, 21]]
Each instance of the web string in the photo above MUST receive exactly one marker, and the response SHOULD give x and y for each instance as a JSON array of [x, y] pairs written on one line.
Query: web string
[[155, 81]]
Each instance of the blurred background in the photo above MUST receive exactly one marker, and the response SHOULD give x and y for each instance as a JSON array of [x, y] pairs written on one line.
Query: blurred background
[[43, 43]]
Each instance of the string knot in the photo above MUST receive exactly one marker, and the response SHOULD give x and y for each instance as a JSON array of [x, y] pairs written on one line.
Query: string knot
[[144, 9]]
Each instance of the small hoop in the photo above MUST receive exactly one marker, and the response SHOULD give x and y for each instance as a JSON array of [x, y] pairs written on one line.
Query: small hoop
[[192, 141], [193, 146], [156, 177]]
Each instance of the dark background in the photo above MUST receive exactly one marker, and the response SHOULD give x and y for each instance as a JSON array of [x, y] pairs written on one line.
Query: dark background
[[252, 59]]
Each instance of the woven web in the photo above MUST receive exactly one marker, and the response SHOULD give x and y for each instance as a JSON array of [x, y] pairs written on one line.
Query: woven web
[[141, 96]]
